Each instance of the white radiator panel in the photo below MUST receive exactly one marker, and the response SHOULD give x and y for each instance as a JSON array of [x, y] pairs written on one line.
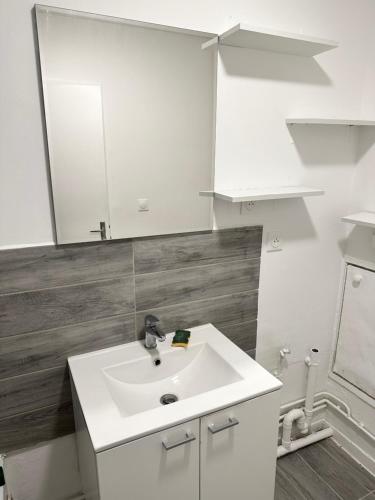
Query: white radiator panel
[[355, 351]]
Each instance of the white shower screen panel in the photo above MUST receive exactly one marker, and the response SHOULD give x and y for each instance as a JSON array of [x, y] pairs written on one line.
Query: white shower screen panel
[[355, 351]]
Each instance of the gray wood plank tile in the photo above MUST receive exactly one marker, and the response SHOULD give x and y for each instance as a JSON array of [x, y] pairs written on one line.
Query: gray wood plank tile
[[244, 335], [339, 473], [46, 267], [28, 429], [31, 352], [175, 252], [35, 390], [295, 480], [341, 457], [186, 285], [55, 307], [221, 311]]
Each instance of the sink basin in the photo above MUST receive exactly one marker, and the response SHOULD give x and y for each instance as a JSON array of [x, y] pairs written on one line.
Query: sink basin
[[126, 391], [139, 385]]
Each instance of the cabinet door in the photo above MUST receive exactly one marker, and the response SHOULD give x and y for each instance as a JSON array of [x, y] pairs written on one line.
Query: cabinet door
[[238, 451], [163, 465]]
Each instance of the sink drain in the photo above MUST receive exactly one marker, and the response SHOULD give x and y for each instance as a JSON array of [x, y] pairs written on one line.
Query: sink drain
[[167, 399]]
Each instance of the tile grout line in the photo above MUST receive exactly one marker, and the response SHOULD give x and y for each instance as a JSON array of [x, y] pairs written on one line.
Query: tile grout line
[[186, 268], [242, 322], [288, 480], [203, 232], [118, 277], [50, 331], [320, 477], [367, 495], [247, 290], [351, 458], [244, 292], [134, 294], [58, 367], [64, 327], [45, 407]]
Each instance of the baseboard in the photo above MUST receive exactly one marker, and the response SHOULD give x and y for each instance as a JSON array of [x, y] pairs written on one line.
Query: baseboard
[[357, 453], [352, 440]]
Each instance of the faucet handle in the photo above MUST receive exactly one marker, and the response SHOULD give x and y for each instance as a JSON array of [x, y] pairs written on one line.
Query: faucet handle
[[151, 320]]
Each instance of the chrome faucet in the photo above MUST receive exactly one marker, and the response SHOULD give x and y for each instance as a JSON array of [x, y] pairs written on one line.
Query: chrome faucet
[[152, 332]]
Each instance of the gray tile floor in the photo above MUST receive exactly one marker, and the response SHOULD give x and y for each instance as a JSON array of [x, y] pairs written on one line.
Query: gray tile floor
[[322, 471]]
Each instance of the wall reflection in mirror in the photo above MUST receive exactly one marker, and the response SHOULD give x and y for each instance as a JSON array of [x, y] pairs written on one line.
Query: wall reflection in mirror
[[129, 112]]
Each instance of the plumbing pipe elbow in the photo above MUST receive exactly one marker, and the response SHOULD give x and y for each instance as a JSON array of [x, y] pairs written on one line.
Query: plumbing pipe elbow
[[303, 425], [292, 415], [296, 415]]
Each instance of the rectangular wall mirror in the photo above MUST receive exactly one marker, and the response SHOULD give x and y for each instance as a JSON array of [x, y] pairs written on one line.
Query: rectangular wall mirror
[[129, 111]]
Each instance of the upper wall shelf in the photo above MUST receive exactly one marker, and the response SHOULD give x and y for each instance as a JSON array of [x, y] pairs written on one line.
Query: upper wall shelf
[[366, 219], [329, 121], [249, 37], [254, 194]]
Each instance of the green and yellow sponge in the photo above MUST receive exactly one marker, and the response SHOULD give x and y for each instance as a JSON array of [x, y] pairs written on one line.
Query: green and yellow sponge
[[181, 338]]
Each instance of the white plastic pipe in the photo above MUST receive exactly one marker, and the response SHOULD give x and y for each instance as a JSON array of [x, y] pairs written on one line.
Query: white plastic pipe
[[311, 406], [334, 400], [303, 417], [297, 415], [304, 441], [312, 362], [336, 404], [316, 409]]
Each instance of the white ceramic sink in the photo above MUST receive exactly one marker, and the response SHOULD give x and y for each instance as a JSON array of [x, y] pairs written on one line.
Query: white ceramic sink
[[120, 388], [138, 385]]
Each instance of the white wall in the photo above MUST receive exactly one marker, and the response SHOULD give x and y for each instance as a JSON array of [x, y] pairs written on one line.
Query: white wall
[[359, 246], [256, 91], [24, 200]]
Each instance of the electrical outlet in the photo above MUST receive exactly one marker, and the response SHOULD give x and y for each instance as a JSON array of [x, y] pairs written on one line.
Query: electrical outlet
[[247, 206], [274, 242]]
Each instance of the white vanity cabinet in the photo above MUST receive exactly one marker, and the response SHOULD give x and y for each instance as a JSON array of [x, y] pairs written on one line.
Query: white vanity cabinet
[[217, 442], [230, 454]]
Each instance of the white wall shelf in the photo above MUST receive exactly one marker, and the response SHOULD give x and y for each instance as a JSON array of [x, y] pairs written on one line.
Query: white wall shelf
[[366, 219], [250, 37], [254, 194], [329, 121]]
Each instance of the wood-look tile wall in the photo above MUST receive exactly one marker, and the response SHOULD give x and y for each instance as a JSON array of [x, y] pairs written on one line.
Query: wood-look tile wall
[[57, 302]]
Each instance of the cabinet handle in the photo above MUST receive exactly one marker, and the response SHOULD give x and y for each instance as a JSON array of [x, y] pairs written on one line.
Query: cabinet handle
[[232, 421], [189, 437], [102, 231]]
